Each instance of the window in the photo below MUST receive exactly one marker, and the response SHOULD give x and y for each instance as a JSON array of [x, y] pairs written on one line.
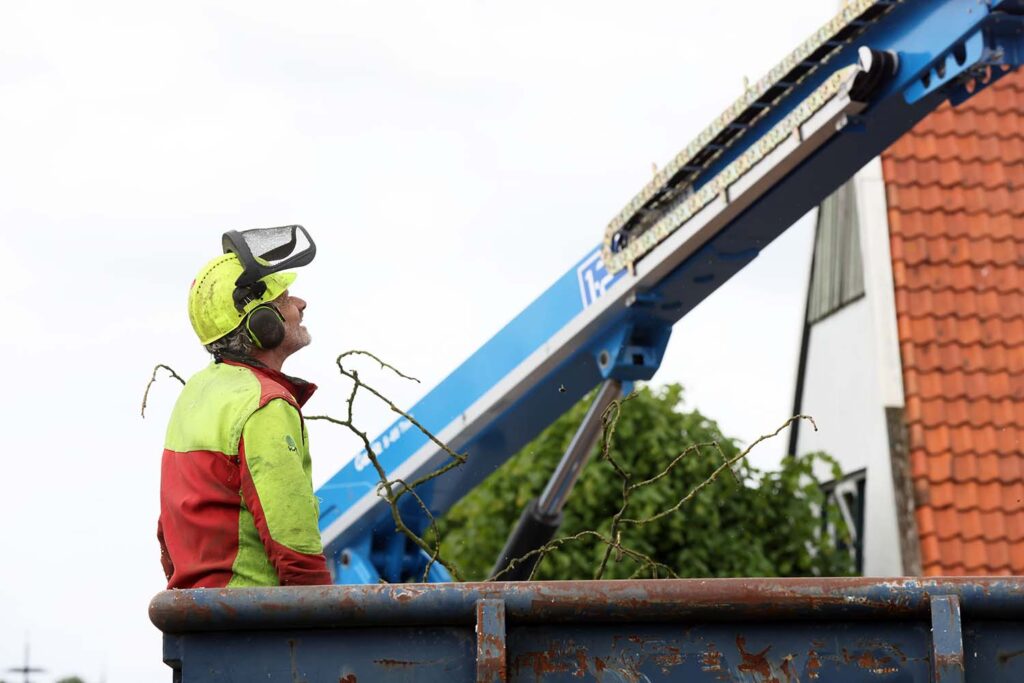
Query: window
[[838, 275], [848, 495]]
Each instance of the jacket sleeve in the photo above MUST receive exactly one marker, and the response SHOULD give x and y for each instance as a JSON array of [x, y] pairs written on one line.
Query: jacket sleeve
[[277, 489], [165, 557]]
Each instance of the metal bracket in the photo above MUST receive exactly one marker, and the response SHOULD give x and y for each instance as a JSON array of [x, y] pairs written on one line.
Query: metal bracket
[[634, 351], [353, 565], [978, 61], [948, 67], [173, 646], [852, 123], [947, 640], [491, 665], [1004, 50]]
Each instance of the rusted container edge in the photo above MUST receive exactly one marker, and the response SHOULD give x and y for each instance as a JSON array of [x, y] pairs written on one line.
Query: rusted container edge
[[574, 601]]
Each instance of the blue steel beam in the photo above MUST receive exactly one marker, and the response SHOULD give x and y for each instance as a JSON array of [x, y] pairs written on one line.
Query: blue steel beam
[[591, 325]]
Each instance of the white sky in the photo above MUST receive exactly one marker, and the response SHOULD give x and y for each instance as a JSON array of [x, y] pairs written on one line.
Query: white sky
[[450, 159]]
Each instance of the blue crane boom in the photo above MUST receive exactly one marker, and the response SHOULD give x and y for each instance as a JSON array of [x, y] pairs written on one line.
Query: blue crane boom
[[792, 138]]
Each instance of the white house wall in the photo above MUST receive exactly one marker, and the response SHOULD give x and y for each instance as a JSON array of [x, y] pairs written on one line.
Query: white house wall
[[878, 282], [853, 372], [841, 393]]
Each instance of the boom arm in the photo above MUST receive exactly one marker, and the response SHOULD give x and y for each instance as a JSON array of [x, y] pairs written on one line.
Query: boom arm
[[783, 147]]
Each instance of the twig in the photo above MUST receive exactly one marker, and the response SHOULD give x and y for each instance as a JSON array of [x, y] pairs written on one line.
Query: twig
[[614, 549], [145, 395], [724, 466], [432, 527], [393, 490], [559, 542], [665, 472], [383, 365]]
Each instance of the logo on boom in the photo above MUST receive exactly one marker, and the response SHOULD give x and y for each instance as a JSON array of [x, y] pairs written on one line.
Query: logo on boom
[[594, 278], [382, 443]]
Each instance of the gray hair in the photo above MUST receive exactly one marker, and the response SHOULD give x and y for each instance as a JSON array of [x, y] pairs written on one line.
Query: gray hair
[[235, 344]]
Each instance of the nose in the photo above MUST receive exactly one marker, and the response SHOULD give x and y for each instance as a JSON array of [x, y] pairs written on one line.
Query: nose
[[299, 303]]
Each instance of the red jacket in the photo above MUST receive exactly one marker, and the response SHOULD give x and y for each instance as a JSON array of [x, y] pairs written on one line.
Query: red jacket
[[236, 494]]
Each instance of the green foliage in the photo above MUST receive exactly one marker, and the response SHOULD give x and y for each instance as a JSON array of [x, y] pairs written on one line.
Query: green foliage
[[757, 523], [71, 679]]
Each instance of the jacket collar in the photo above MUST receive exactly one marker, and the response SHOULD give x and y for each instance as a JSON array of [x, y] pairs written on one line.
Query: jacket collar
[[300, 389]]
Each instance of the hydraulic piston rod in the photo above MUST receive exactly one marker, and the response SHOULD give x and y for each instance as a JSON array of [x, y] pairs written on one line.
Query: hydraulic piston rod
[[542, 516]]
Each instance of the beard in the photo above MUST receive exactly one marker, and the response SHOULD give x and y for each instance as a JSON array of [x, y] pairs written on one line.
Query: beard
[[296, 338]]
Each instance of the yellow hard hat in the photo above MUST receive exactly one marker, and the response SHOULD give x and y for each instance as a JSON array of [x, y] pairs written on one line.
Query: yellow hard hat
[[211, 303]]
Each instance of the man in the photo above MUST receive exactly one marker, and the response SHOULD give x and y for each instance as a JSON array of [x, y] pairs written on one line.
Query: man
[[236, 497]]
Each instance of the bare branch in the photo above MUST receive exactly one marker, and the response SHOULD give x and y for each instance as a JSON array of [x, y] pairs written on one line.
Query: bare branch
[[615, 550], [383, 365], [714, 475], [665, 472], [393, 490], [557, 543], [145, 395]]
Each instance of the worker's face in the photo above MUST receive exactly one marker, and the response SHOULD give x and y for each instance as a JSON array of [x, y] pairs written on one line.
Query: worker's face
[[291, 309]]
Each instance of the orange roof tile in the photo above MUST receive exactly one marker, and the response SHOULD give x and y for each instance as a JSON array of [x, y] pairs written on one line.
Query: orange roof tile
[[956, 216]]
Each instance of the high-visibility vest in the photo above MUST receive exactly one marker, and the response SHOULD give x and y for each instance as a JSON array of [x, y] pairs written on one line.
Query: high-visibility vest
[[236, 493]]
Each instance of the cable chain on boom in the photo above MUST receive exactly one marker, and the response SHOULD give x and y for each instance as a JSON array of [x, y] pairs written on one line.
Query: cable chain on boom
[[683, 211], [629, 235]]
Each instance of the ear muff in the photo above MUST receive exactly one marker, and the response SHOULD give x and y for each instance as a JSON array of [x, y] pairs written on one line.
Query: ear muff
[[265, 326]]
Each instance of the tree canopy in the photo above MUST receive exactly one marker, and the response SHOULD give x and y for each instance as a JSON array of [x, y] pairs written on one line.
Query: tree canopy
[[756, 523]]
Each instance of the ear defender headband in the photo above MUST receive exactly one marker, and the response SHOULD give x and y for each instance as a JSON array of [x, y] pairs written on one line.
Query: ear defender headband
[[262, 252]]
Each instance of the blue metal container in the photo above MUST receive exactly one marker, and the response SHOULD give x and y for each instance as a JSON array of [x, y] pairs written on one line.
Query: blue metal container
[[764, 630]]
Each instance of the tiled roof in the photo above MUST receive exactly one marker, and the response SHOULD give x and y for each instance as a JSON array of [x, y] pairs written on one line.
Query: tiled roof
[[955, 188]]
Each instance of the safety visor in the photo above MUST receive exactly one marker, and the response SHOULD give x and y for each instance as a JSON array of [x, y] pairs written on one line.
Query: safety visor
[[263, 251]]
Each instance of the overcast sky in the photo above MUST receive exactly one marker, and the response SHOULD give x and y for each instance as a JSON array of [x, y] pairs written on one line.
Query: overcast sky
[[450, 159]]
